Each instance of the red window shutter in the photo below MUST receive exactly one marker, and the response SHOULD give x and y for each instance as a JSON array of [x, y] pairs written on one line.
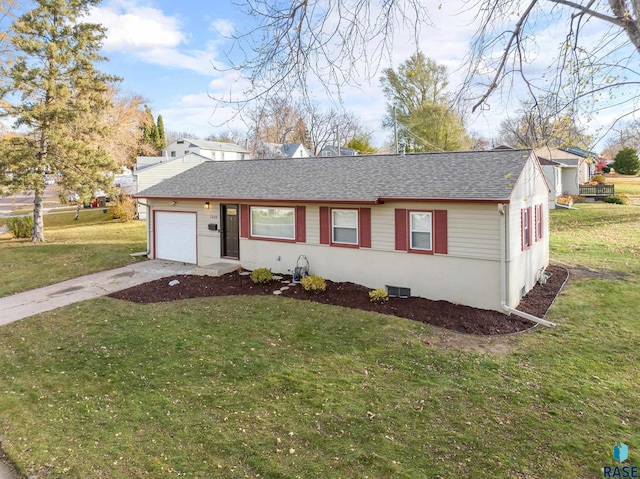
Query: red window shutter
[[441, 234], [244, 221], [401, 229], [364, 218], [325, 225], [301, 224]]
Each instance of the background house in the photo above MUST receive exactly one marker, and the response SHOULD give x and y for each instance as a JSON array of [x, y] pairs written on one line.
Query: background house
[[330, 150], [214, 150], [177, 157], [565, 171], [474, 232], [587, 165], [283, 150]]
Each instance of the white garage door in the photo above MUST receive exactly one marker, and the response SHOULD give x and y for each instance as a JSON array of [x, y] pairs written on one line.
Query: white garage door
[[175, 235]]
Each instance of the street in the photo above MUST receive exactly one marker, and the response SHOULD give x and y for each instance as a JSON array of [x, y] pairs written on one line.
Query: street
[[24, 201]]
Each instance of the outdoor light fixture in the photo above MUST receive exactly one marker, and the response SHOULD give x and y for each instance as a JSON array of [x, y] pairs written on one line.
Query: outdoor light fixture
[[207, 205]]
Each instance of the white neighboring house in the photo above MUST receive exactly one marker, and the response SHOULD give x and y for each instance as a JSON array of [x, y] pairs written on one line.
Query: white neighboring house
[[177, 157], [286, 150], [214, 150], [565, 172], [442, 225]]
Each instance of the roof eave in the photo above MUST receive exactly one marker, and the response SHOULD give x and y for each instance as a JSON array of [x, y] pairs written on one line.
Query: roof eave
[[377, 201], [448, 200]]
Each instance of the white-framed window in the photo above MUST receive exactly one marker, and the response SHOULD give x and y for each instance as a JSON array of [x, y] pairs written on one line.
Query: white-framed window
[[539, 228], [420, 230], [173, 154], [276, 223], [526, 228], [344, 226]]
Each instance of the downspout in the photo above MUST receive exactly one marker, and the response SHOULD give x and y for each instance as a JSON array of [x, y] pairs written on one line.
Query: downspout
[[566, 206], [503, 274], [148, 252]]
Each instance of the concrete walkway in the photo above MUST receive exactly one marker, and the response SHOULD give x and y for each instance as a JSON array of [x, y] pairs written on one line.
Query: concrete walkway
[[23, 305]]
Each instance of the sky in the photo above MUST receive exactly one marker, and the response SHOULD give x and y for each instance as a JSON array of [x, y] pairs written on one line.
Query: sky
[[175, 55]]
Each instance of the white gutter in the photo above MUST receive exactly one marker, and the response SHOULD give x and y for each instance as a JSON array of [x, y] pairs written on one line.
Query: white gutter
[[566, 206], [503, 274], [148, 252], [528, 316]]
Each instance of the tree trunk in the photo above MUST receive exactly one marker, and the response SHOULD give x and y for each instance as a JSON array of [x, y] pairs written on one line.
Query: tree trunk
[[37, 234]]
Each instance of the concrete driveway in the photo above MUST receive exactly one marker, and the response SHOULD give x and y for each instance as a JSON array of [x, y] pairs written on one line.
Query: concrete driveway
[[23, 305]]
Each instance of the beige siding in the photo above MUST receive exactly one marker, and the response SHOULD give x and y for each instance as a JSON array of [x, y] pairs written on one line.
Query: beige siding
[[383, 233], [455, 277], [475, 234], [156, 174], [473, 230], [313, 224]]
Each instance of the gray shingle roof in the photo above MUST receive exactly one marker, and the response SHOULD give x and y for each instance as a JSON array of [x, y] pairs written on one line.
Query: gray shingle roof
[[473, 175]]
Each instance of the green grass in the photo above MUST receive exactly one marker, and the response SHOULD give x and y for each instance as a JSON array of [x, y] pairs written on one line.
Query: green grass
[[276, 388], [598, 235], [73, 248], [627, 185]]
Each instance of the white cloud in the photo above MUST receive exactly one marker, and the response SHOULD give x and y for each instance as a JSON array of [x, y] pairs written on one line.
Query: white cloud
[[149, 35], [223, 27], [137, 28]]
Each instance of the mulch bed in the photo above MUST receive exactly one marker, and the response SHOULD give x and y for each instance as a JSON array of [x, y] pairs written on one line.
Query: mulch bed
[[455, 317]]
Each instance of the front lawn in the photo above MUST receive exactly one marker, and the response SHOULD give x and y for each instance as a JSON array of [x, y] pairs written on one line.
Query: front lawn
[[629, 185], [74, 248], [238, 387], [598, 235]]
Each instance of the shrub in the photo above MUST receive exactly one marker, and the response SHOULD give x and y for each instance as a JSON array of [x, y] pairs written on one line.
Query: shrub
[[378, 296], [124, 209], [20, 226], [606, 169], [261, 276], [599, 179], [627, 162], [564, 200], [617, 199], [313, 283]]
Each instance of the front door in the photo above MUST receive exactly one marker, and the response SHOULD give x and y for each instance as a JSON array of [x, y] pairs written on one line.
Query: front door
[[230, 233]]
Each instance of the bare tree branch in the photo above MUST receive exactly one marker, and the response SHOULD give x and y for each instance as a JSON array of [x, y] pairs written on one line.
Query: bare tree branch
[[290, 45], [587, 74], [514, 38]]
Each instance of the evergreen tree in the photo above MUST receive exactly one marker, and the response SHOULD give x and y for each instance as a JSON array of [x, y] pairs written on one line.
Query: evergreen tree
[[162, 139], [54, 90], [153, 134], [626, 162]]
